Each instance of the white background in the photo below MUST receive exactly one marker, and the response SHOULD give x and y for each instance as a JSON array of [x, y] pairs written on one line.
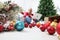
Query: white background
[[29, 34]]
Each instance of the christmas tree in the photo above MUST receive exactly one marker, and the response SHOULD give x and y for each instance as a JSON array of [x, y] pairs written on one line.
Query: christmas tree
[[46, 8]]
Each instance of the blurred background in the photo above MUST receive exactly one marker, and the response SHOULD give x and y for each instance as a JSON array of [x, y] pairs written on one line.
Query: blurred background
[[26, 4]]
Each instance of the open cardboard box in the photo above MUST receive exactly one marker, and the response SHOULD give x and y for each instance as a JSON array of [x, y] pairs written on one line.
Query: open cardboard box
[[37, 16]]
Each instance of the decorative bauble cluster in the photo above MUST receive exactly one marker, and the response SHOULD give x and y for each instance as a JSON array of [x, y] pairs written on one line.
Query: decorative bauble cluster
[[11, 26], [47, 26], [51, 27], [33, 24]]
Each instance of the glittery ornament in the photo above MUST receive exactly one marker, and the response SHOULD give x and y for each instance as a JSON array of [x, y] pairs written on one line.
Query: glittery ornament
[[19, 25], [51, 30], [28, 19], [11, 27], [26, 24]]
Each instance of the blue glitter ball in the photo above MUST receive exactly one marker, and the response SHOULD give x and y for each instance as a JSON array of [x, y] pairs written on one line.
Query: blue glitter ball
[[19, 25], [28, 19]]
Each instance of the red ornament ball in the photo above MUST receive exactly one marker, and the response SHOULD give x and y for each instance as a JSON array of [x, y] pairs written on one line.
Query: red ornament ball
[[51, 30], [26, 24], [33, 24], [42, 28], [11, 27], [58, 28], [1, 28], [47, 24], [38, 24], [30, 25]]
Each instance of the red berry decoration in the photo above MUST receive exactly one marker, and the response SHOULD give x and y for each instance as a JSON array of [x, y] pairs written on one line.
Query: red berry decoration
[[42, 28], [1, 28], [58, 28], [11, 27], [38, 24], [30, 25], [26, 24], [51, 30]]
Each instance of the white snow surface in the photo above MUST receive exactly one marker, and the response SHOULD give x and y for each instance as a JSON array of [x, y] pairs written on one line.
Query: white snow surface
[[27, 34]]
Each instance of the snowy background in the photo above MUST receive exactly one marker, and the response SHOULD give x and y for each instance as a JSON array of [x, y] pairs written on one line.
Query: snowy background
[[27, 33]]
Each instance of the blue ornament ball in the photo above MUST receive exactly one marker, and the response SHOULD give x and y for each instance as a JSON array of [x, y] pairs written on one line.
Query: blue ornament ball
[[28, 19], [19, 26]]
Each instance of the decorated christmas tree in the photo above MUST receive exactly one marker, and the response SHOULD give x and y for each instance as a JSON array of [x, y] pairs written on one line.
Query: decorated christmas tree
[[46, 8]]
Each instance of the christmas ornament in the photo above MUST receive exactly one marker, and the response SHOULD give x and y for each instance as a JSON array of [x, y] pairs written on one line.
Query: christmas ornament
[[1, 28], [26, 24], [26, 14], [6, 25], [47, 24], [54, 24], [51, 30], [58, 28], [38, 24], [19, 25], [11, 27], [28, 19], [42, 28], [33, 24], [13, 22], [30, 25]]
